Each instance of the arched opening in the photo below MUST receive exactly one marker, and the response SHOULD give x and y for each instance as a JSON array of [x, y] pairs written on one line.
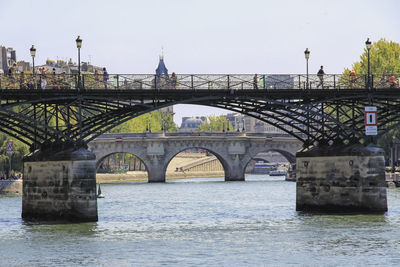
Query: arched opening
[[120, 167], [195, 163], [271, 162]]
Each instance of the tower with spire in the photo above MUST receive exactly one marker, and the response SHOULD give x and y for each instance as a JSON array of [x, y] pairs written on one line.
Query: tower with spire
[[161, 69], [162, 80]]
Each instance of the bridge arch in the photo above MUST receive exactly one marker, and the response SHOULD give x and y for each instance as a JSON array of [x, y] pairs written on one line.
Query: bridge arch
[[101, 160], [172, 154], [110, 147], [291, 158]]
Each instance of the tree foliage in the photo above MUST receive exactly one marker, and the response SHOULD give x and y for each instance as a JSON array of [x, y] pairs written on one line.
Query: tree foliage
[[152, 121], [384, 58], [20, 149], [216, 124]]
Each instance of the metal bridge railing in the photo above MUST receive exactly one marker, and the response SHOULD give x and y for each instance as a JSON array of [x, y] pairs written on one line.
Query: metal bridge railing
[[198, 81]]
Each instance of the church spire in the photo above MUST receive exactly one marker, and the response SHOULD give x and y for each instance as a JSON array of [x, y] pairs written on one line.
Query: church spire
[[161, 69]]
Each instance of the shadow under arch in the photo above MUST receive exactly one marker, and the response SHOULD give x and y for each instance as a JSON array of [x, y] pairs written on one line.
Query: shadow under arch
[[260, 159], [101, 160], [289, 156], [173, 154]]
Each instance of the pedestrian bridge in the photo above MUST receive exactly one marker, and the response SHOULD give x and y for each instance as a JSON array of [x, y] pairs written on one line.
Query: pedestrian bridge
[[156, 150]]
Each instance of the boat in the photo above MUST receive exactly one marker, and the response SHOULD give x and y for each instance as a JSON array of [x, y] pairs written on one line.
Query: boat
[[263, 167], [281, 171], [99, 194], [277, 173]]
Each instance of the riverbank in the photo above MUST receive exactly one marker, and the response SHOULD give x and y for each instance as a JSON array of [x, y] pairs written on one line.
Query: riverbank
[[139, 176], [392, 179], [13, 187]]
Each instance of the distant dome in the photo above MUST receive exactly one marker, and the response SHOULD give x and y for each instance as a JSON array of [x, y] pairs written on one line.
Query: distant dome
[[192, 123]]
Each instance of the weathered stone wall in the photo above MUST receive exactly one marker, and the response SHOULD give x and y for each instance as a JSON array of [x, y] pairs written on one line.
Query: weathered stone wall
[[341, 179], [60, 187]]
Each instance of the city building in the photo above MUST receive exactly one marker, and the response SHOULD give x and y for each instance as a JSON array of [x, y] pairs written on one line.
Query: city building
[[162, 81], [253, 125], [250, 124], [23, 66], [191, 124], [69, 67], [8, 56], [237, 121], [279, 81]]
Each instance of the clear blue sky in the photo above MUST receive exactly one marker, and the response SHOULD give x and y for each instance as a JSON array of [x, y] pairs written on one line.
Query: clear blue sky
[[200, 36]]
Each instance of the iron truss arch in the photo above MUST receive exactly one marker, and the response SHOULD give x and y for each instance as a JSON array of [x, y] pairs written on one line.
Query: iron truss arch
[[44, 118]]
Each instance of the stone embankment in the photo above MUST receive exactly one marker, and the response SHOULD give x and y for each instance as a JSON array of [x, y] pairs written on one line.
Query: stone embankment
[[392, 179], [142, 176], [11, 187], [184, 165]]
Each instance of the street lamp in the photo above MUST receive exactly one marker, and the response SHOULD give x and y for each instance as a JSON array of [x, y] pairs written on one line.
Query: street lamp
[[79, 45], [368, 45], [33, 54], [307, 56]]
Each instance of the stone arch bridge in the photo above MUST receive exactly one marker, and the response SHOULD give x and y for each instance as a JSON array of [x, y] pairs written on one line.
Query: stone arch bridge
[[156, 150]]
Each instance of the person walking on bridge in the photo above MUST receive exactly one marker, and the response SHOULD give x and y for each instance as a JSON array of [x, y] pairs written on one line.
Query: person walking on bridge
[[320, 75], [255, 82], [105, 77]]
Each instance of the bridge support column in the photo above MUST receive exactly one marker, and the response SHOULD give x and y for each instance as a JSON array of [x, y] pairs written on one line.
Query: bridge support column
[[60, 186], [156, 174], [235, 170], [341, 179]]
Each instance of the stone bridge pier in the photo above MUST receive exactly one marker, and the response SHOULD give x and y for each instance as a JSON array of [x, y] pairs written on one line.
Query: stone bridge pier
[[60, 185], [341, 179]]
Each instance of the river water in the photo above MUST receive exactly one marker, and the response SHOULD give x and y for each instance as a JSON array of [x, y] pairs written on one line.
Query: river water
[[204, 222]]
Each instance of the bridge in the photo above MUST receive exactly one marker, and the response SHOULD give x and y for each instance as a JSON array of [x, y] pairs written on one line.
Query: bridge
[[339, 168], [156, 150]]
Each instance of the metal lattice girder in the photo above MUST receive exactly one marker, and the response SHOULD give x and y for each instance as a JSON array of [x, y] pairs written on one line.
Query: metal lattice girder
[[64, 115]]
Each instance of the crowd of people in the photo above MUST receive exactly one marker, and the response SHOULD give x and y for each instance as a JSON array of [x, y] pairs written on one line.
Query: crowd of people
[[5, 176], [45, 79]]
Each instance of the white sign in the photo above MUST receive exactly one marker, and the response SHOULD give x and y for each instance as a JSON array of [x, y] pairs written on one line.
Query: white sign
[[371, 121]]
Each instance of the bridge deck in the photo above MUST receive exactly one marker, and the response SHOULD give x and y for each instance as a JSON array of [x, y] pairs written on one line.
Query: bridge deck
[[182, 95]]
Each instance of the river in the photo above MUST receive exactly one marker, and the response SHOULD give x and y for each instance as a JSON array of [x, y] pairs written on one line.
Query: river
[[205, 222]]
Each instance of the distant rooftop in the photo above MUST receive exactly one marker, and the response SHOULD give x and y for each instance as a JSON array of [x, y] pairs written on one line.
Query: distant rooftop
[[161, 69]]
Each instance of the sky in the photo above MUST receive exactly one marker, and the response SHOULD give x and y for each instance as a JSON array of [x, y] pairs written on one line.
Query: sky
[[199, 36]]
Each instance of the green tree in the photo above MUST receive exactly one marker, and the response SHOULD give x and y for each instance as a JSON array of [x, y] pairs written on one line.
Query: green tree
[[152, 120], [384, 59], [215, 124], [20, 149]]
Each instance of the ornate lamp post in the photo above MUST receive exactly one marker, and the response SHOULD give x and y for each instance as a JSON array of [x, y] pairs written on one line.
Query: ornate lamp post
[[368, 45], [79, 45], [33, 54], [307, 56]]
